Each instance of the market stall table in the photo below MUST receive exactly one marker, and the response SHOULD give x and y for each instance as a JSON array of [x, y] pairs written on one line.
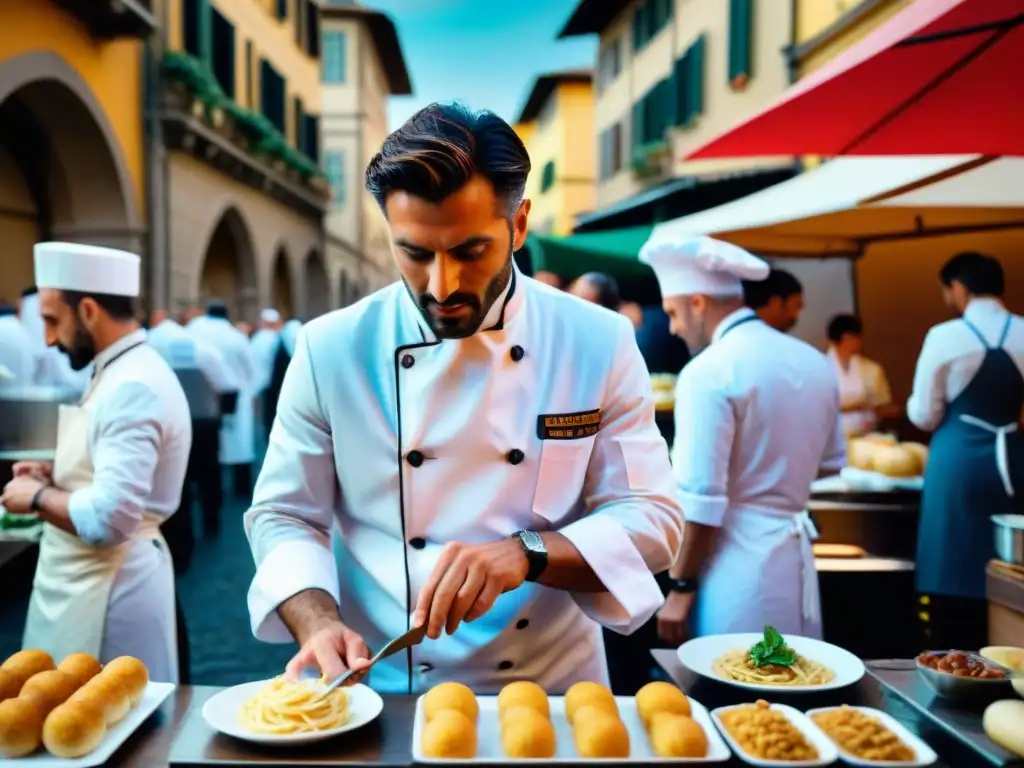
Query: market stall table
[[177, 734]]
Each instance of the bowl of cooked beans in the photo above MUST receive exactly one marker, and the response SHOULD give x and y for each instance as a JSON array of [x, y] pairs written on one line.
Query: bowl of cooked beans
[[866, 736], [964, 675], [774, 735]]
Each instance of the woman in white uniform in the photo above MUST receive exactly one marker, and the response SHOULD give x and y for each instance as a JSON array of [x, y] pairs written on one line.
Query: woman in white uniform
[[104, 582], [864, 395]]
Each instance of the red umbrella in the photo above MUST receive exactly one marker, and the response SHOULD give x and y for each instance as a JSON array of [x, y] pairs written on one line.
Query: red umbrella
[[941, 77]]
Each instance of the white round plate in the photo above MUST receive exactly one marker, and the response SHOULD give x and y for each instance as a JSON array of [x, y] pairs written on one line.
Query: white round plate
[[700, 654], [221, 713]]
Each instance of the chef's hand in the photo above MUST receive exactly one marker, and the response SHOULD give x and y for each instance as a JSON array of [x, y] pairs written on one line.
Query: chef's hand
[[673, 615], [40, 470], [333, 649], [18, 494], [466, 582]]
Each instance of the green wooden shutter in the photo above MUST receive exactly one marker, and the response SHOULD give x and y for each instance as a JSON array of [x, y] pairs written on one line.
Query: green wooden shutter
[[740, 29], [205, 31], [638, 125], [680, 91], [695, 79], [639, 27], [547, 179], [668, 101]]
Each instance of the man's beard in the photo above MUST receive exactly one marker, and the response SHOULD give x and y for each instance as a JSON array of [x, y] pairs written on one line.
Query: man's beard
[[83, 349], [465, 326]]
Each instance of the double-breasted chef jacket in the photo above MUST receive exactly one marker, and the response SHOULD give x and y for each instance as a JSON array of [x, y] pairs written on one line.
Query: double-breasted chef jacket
[[757, 420], [108, 590], [863, 381], [401, 443]]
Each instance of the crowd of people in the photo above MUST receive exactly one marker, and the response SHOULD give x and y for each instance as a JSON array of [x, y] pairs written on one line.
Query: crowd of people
[[474, 451]]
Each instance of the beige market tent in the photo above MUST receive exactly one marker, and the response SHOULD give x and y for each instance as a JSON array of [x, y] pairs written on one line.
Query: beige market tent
[[837, 208]]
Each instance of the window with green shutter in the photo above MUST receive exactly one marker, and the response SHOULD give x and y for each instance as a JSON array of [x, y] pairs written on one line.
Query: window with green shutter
[[649, 18], [688, 77], [547, 177], [741, 23]]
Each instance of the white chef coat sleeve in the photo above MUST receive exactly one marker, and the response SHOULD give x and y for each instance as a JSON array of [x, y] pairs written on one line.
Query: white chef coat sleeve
[[217, 372], [633, 528], [878, 388], [125, 434], [927, 403], [289, 523]]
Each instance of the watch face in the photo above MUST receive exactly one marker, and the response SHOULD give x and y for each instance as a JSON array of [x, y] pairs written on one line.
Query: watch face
[[532, 541]]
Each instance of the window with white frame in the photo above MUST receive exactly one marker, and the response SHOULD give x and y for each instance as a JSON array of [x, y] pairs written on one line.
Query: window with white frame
[[334, 169], [332, 57]]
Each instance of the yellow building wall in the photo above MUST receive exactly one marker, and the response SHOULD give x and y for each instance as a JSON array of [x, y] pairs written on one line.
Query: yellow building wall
[[569, 139], [112, 70], [814, 16], [272, 39]]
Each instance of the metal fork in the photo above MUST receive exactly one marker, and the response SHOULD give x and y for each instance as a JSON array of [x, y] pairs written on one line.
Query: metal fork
[[413, 637]]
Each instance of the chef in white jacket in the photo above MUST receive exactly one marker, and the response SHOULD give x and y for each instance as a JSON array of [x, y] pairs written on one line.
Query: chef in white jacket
[[17, 352], [485, 446], [263, 345], [864, 394], [757, 420], [104, 582], [237, 438]]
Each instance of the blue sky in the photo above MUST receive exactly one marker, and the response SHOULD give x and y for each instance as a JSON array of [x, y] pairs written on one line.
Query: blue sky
[[485, 53]]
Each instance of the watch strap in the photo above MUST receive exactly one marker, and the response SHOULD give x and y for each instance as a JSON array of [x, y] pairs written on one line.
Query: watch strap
[[683, 586], [536, 558], [36, 505]]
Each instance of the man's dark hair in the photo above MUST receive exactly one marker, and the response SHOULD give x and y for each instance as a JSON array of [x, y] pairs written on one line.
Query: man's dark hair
[[980, 274], [440, 148], [757, 293], [840, 325], [29, 291], [118, 307], [607, 289], [217, 308]]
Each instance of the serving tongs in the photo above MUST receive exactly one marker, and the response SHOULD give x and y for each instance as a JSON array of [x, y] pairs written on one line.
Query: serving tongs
[[411, 638]]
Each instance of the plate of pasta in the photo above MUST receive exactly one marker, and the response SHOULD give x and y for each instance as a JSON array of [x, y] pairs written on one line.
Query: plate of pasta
[[771, 662], [282, 711]]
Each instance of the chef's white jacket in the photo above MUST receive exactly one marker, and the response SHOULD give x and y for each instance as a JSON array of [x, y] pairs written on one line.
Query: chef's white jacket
[[951, 356], [862, 381], [17, 352], [757, 420], [402, 443], [182, 349]]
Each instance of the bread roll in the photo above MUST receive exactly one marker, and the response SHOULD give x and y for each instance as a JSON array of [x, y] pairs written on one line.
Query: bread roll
[[24, 664], [449, 735], [880, 438], [108, 694], [660, 696], [21, 728], [132, 673], [73, 730], [49, 689], [920, 452], [527, 734], [588, 694], [860, 453], [81, 666], [450, 696], [1003, 724], [523, 693], [600, 734], [895, 461], [674, 735], [10, 685]]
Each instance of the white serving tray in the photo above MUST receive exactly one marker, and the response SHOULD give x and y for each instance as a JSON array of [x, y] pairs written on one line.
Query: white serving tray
[[925, 754], [155, 695], [489, 749], [827, 752], [864, 480]]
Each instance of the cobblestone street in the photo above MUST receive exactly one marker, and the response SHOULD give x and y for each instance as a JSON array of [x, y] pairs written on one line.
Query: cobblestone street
[[213, 592]]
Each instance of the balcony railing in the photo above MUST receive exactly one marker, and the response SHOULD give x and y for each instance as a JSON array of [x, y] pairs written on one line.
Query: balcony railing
[[113, 18]]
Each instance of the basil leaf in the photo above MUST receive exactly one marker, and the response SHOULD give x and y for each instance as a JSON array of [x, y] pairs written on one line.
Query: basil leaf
[[785, 657], [772, 638]]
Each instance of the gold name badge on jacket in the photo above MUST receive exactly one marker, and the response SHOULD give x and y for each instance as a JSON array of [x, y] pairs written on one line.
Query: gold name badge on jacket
[[568, 426]]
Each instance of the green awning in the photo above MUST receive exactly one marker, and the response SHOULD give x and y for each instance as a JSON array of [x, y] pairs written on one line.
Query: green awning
[[614, 252]]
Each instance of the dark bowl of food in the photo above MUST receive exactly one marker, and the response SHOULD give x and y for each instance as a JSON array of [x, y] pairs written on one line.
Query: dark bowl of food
[[964, 676]]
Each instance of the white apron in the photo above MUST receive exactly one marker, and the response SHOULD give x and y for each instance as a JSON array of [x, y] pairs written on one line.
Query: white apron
[[762, 572], [104, 601]]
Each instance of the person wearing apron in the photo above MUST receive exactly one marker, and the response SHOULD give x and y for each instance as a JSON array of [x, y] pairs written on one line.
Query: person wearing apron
[[968, 388], [757, 420], [104, 582], [864, 394]]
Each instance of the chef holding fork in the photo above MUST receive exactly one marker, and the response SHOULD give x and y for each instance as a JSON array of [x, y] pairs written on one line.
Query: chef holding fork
[[483, 446]]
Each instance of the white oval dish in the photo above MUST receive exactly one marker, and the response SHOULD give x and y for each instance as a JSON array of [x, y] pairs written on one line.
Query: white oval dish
[[700, 654], [827, 752], [221, 713], [925, 754]]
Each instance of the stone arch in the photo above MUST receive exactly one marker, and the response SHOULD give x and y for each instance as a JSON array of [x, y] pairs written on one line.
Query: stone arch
[[63, 174], [282, 284], [229, 266], [318, 285]]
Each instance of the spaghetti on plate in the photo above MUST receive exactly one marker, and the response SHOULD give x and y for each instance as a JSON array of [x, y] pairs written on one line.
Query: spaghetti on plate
[[771, 662], [285, 707]]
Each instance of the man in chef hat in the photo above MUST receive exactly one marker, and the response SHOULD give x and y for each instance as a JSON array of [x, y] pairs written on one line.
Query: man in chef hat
[[104, 584], [757, 420]]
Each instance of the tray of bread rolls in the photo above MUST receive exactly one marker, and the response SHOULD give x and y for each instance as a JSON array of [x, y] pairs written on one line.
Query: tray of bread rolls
[[587, 724], [74, 714]]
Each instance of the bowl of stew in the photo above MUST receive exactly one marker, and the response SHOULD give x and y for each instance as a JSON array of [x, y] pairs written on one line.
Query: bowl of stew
[[964, 675]]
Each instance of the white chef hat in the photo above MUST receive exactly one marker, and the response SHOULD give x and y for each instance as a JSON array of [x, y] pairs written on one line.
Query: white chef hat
[[270, 316], [87, 269], [694, 265]]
